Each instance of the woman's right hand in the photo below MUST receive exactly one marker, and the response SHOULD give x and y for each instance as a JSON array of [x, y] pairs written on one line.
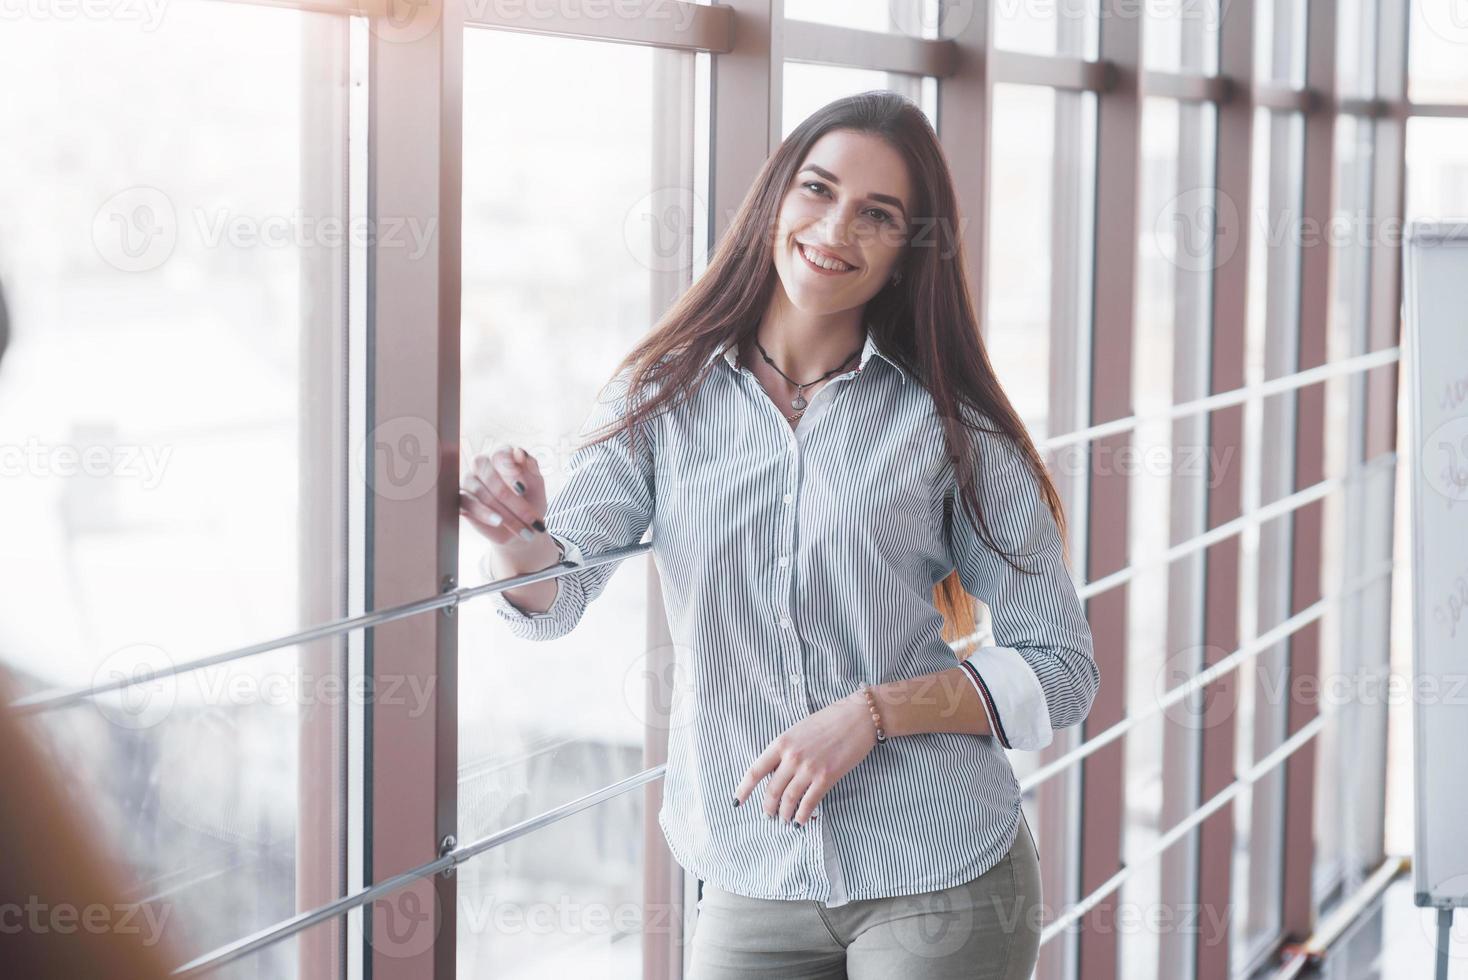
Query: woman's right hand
[[503, 496]]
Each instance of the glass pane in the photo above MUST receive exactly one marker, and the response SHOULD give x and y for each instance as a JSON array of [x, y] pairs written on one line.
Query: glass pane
[[1354, 138], [1176, 257], [810, 87], [1037, 330], [1055, 27], [1274, 290], [1182, 36], [172, 261], [1279, 42], [1356, 47], [567, 901], [1355, 535], [562, 275], [1040, 232], [1438, 37], [1272, 346], [1437, 169]]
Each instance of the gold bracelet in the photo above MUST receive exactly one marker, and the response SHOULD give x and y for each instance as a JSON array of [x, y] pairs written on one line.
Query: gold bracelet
[[876, 718]]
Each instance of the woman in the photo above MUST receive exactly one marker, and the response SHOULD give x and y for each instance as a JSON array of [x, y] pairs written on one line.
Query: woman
[[816, 437]]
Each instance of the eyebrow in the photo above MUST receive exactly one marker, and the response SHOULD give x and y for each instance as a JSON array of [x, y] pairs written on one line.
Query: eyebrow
[[884, 198]]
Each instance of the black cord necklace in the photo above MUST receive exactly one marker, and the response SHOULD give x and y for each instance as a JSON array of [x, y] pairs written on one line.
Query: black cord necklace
[[799, 402]]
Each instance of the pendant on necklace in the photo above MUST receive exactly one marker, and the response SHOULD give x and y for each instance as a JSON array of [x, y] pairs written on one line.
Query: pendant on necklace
[[799, 401]]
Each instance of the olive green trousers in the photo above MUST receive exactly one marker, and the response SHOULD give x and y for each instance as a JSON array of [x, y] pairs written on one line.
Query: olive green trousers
[[984, 929]]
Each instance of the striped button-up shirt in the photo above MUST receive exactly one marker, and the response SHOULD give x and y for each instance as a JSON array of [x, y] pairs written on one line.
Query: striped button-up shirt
[[797, 563]]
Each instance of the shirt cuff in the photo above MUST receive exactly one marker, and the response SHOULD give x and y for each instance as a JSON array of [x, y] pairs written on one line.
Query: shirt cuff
[[540, 625], [1012, 697]]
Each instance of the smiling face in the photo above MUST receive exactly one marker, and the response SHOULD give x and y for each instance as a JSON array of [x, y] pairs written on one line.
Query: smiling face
[[843, 223]]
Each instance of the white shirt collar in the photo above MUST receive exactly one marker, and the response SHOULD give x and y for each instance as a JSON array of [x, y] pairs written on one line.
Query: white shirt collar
[[730, 352]]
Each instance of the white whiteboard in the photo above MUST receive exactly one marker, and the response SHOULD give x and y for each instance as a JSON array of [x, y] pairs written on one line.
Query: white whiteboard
[[1435, 296]]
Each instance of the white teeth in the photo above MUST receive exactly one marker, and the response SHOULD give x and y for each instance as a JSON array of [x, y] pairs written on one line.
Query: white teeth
[[823, 262]]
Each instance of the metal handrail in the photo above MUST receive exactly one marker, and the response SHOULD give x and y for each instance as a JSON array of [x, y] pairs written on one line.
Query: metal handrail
[[289, 927], [282, 930], [49, 700], [1227, 399], [304, 920], [1259, 515], [1248, 651], [1285, 749]]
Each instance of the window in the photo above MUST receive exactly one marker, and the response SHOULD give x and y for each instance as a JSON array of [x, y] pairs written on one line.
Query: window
[[1437, 170], [1437, 37], [1182, 35], [1069, 28], [1271, 447], [1279, 42], [1177, 233], [203, 326], [578, 205], [808, 87], [173, 430], [1356, 48], [1041, 218]]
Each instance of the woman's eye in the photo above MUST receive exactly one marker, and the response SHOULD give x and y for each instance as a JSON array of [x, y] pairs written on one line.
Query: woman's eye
[[878, 212]]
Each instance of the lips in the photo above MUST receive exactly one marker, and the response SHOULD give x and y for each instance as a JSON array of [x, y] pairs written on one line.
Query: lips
[[802, 248]]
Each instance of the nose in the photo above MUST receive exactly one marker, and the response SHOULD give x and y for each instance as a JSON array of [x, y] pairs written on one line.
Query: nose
[[834, 225]]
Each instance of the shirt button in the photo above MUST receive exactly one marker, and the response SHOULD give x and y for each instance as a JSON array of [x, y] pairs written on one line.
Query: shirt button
[[784, 623], [789, 497], [784, 560], [795, 678]]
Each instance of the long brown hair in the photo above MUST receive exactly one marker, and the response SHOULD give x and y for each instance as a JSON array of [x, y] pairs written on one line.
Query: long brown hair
[[926, 322]]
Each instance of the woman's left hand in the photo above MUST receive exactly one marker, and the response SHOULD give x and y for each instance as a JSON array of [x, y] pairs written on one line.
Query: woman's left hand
[[808, 757]]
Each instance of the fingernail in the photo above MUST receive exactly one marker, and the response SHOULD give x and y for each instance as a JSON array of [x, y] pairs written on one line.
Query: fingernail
[[495, 520], [736, 801], [539, 524], [520, 488], [797, 823], [527, 534]]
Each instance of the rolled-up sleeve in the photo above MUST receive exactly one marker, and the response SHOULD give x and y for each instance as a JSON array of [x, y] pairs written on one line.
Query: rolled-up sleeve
[[1040, 673], [606, 502]]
